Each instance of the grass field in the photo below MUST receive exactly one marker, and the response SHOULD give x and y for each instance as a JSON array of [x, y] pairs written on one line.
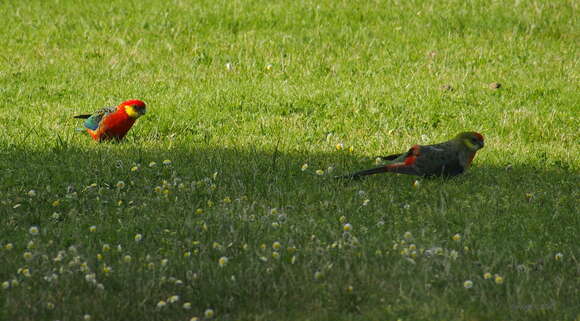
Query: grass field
[[204, 210]]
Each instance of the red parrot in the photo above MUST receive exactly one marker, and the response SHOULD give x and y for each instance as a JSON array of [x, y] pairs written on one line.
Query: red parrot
[[447, 159], [113, 122]]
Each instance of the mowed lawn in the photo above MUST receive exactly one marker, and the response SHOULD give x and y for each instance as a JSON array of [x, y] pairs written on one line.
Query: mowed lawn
[[221, 203]]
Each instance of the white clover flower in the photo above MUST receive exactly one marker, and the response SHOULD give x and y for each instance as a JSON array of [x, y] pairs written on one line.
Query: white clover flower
[[209, 313], [319, 172], [120, 184], [304, 167], [167, 162], [93, 228], [468, 284], [558, 256], [138, 237], [187, 306], [33, 230], [31, 193], [27, 256], [223, 261], [173, 299], [456, 237], [152, 164], [347, 227], [161, 304]]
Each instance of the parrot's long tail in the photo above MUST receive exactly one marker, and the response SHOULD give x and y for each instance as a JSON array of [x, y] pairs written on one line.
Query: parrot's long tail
[[82, 116], [366, 172]]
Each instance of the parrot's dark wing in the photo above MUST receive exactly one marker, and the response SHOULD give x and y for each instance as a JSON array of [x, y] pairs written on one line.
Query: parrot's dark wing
[[390, 157], [92, 121], [438, 160]]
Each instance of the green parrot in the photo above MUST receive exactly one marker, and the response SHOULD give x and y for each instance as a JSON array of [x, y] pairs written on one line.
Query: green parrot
[[446, 159]]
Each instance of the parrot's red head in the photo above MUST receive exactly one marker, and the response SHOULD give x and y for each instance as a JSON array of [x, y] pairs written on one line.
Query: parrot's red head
[[472, 140], [134, 108]]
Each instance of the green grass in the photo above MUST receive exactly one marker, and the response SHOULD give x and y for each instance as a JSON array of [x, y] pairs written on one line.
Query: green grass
[[365, 74]]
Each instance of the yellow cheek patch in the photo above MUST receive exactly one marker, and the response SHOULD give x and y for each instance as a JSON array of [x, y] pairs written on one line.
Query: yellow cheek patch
[[130, 110], [469, 144]]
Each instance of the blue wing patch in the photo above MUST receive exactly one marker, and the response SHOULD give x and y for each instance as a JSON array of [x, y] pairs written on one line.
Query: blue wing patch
[[94, 121]]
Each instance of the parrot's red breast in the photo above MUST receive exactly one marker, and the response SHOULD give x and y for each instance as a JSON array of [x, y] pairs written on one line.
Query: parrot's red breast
[[113, 122]]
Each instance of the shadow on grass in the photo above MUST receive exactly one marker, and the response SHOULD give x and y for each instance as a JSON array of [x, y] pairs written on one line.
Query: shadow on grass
[[520, 210], [516, 199]]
